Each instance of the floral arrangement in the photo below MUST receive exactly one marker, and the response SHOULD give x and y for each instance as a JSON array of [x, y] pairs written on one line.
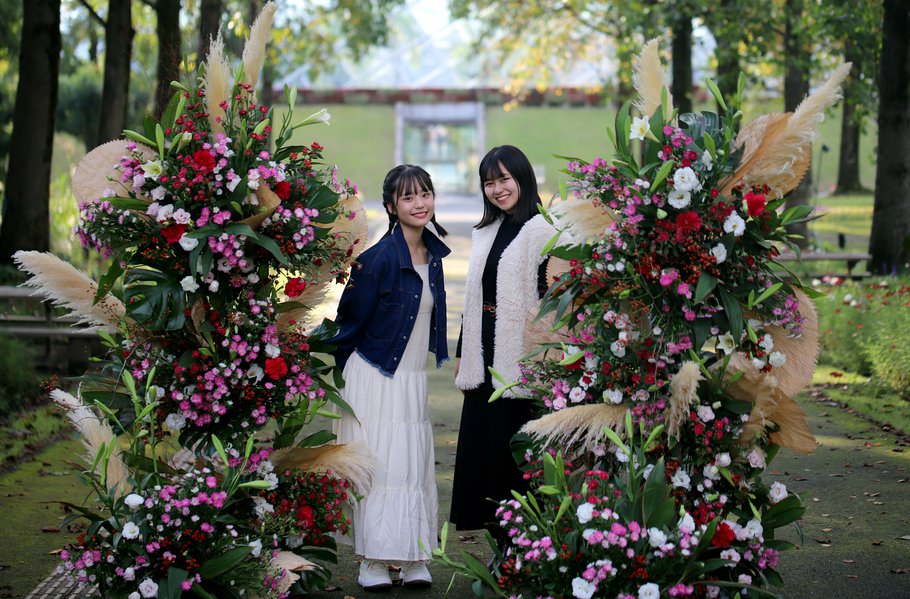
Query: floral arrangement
[[220, 245], [671, 319]]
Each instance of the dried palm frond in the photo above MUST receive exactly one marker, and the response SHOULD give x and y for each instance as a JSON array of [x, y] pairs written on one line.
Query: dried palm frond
[[217, 84], [268, 202], [95, 433], [539, 331], [96, 173], [583, 219], [794, 430], [254, 50], [683, 390], [778, 146], [292, 563], [351, 462], [351, 228], [802, 352], [648, 79], [577, 424], [58, 281]]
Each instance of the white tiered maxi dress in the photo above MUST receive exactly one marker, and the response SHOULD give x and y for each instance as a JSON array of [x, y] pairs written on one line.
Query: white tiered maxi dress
[[400, 510]]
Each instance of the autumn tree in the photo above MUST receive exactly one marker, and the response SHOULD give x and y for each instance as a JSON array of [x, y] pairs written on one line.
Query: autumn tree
[[889, 243], [25, 204]]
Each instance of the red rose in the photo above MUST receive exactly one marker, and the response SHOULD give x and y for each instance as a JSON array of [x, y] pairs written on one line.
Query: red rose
[[204, 160], [723, 536], [282, 189], [755, 203], [305, 516], [276, 368], [173, 233], [294, 287]]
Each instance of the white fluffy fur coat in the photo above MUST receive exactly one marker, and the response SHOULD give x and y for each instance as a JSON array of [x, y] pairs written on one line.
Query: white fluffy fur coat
[[516, 297]]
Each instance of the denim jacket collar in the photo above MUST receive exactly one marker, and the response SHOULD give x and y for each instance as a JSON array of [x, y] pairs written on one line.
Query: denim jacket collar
[[435, 247]]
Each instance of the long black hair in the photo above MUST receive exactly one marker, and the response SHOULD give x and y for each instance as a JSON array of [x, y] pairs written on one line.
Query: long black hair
[[406, 178], [518, 165]]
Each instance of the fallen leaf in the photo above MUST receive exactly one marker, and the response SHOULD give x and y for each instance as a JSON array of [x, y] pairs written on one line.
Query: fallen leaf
[[877, 543], [800, 478], [878, 503], [904, 538], [332, 589], [837, 475], [872, 494], [852, 576], [50, 529], [849, 561], [825, 542], [899, 571], [827, 529], [816, 499]]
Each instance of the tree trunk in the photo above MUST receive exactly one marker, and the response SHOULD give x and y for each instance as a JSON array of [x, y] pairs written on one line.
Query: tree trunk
[[682, 63], [209, 23], [796, 88], [848, 162], [891, 216], [118, 47], [168, 29], [26, 214]]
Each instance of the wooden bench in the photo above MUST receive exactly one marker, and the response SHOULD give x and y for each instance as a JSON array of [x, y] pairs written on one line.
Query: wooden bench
[[64, 345], [851, 259]]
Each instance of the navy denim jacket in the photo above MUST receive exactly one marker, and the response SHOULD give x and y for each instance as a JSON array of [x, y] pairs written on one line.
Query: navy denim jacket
[[378, 307]]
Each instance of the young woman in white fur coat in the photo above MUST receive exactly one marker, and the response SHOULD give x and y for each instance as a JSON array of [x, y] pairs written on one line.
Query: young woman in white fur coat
[[506, 279]]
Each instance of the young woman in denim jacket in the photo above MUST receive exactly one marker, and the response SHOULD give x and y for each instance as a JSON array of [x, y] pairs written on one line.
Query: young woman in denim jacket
[[391, 313]]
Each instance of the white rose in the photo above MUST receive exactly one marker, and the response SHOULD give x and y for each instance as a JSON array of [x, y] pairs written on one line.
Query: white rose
[[777, 359], [158, 193], [618, 349], [213, 286], [686, 524], [576, 394], [272, 351], [719, 252], [678, 199], [756, 458], [164, 213], [148, 588], [130, 530], [134, 595], [649, 591], [705, 413], [681, 479], [711, 472], [582, 588], [189, 284], [188, 243], [584, 513], [129, 574], [656, 537], [722, 459], [767, 341], [685, 179], [255, 372], [735, 224], [778, 492], [134, 501]]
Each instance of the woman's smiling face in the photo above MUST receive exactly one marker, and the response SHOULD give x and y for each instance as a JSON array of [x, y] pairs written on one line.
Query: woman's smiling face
[[414, 207], [502, 191]]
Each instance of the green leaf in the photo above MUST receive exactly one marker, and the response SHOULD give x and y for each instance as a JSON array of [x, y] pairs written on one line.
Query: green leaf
[[154, 298], [715, 91], [170, 112], [661, 175], [269, 244], [316, 439], [175, 576], [108, 279], [768, 293], [138, 137], [734, 313], [224, 562], [159, 138], [706, 284], [550, 244]]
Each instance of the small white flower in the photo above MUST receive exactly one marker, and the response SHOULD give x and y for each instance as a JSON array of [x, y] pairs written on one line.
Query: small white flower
[[272, 351], [583, 589], [129, 574], [777, 359], [175, 421], [756, 458], [647, 471], [130, 530], [656, 537], [735, 224], [711, 472], [134, 501], [707, 160], [576, 394], [618, 349], [158, 193], [732, 555], [584, 513], [642, 184], [189, 284], [778, 492], [726, 344], [152, 169], [188, 243], [680, 479], [233, 183], [712, 592], [181, 216], [148, 588], [640, 128], [255, 372], [705, 413], [719, 252], [722, 459], [686, 524], [614, 396], [213, 286], [745, 579], [134, 595], [758, 363], [252, 179], [257, 547], [649, 591], [685, 179], [164, 213], [767, 341], [678, 198]]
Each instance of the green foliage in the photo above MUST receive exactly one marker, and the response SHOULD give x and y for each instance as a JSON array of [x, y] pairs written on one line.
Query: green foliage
[[888, 349], [78, 103], [18, 378]]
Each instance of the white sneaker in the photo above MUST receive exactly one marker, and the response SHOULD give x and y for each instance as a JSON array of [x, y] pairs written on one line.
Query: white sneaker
[[374, 576], [415, 574]]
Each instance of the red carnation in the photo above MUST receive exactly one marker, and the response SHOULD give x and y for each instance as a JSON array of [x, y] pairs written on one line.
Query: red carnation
[[688, 222], [294, 287], [173, 233], [723, 536], [204, 159], [305, 516], [755, 203], [276, 368], [282, 189]]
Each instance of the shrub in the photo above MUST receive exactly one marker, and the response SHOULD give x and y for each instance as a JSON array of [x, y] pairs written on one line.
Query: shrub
[[18, 377], [888, 350]]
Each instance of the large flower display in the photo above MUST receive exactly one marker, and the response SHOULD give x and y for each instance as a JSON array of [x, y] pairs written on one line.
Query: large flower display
[[208, 473], [667, 376]]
